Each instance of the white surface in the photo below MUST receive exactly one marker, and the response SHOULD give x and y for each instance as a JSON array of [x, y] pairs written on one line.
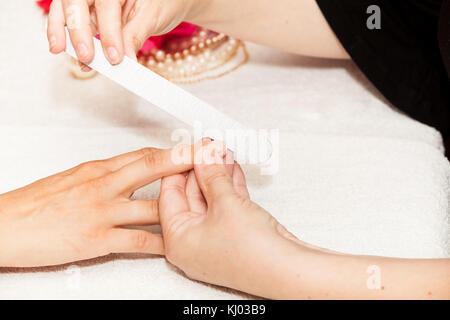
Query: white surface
[[162, 93], [355, 175]]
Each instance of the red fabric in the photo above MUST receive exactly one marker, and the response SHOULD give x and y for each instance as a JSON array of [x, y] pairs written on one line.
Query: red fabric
[[184, 30], [45, 5]]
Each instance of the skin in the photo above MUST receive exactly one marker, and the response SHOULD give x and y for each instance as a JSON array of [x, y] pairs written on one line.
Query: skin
[[81, 213], [124, 25], [216, 234], [211, 229]]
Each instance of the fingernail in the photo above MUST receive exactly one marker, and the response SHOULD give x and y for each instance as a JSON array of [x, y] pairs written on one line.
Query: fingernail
[[113, 54], [52, 42], [213, 153], [82, 51], [205, 141], [85, 68], [229, 158]]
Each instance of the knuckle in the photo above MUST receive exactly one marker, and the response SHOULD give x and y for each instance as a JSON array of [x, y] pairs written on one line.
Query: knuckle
[[140, 241], [174, 187], [216, 177], [153, 159], [97, 165], [144, 151], [153, 208]]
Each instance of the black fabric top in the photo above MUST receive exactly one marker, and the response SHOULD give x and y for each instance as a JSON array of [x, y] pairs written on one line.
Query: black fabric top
[[408, 59], [444, 34]]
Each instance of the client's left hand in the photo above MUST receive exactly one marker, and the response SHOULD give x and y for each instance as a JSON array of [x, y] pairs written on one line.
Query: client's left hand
[[81, 213]]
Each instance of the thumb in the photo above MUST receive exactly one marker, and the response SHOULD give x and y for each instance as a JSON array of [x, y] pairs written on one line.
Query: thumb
[[211, 172], [134, 37]]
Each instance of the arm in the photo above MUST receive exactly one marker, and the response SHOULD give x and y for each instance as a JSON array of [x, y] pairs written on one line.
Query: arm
[[124, 25], [313, 274], [295, 26], [215, 233]]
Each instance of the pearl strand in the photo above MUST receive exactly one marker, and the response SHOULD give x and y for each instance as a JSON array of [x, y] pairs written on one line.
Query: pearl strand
[[192, 57]]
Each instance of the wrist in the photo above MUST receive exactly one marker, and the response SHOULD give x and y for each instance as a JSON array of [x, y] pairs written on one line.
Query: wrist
[[4, 249], [266, 263], [2, 235], [283, 260], [9, 240], [293, 269]]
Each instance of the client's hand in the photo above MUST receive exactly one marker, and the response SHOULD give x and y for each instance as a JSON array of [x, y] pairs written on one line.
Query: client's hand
[[79, 214], [124, 25], [211, 228]]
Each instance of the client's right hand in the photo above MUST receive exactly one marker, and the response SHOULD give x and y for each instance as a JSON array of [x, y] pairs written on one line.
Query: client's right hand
[[79, 213], [214, 232]]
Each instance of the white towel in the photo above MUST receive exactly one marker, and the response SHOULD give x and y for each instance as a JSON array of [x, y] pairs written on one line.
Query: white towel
[[355, 175]]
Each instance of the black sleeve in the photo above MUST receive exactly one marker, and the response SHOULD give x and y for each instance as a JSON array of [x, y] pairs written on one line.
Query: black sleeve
[[444, 34]]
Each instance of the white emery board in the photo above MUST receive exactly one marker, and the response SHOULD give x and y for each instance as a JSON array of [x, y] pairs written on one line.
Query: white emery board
[[163, 94]]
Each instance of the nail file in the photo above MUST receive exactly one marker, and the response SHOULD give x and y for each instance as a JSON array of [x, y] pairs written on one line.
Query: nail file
[[163, 94]]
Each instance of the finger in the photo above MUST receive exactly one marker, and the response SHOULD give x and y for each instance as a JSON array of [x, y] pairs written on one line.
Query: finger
[[137, 30], [78, 22], [172, 199], [134, 241], [135, 213], [55, 29], [194, 195], [151, 167], [212, 176], [127, 8], [83, 67], [133, 40], [117, 162], [94, 22], [239, 183], [229, 162], [95, 169], [109, 18]]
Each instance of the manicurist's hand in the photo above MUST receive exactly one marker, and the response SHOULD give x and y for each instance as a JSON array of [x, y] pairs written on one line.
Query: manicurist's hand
[[123, 25], [211, 228], [80, 213]]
